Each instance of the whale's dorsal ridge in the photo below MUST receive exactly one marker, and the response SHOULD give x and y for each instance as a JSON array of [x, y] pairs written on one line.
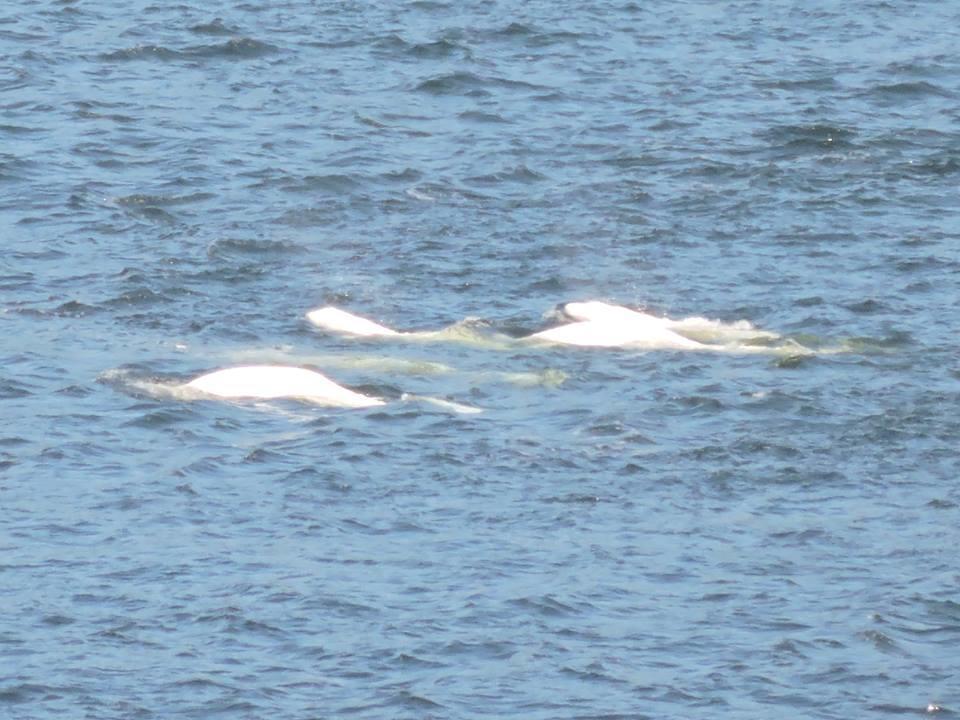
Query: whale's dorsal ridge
[[266, 382], [341, 321]]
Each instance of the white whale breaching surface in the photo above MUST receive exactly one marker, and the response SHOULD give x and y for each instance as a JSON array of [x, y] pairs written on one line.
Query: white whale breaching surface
[[262, 383], [593, 324], [271, 382]]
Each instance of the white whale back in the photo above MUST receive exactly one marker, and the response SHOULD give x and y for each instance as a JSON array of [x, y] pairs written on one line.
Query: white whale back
[[274, 382], [600, 324], [594, 324], [614, 333], [340, 321], [597, 311]]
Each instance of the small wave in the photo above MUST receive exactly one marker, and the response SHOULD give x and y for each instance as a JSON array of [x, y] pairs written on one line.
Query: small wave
[[138, 200], [467, 83], [883, 642], [908, 90], [13, 78], [390, 43], [334, 183], [810, 138], [18, 281], [137, 297], [628, 161], [20, 130], [410, 701], [27, 693], [792, 361], [214, 27], [865, 307], [372, 122], [451, 84], [149, 206], [514, 29], [938, 165], [533, 36], [428, 5], [438, 49], [544, 605], [142, 52], [230, 247], [402, 176], [545, 39], [824, 83], [482, 117], [521, 174], [158, 419], [235, 48], [11, 389], [74, 308]]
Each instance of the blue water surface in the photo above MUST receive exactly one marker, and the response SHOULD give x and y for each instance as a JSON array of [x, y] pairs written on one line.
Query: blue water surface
[[621, 533]]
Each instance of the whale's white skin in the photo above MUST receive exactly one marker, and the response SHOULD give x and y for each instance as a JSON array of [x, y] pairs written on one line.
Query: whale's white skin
[[596, 310], [595, 324], [337, 320], [599, 324], [270, 382], [612, 333]]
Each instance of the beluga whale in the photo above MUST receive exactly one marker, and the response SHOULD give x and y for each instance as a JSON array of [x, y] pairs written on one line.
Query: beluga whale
[[587, 324], [272, 382], [599, 324], [283, 382]]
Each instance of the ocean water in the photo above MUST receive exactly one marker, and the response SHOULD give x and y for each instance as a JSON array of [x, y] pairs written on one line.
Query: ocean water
[[621, 533]]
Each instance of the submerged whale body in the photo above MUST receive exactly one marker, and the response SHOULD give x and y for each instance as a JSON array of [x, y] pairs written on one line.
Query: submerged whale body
[[271, 382], [586, 324]]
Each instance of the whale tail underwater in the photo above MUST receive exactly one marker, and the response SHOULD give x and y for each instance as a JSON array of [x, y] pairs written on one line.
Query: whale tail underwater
[[590, 324]]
